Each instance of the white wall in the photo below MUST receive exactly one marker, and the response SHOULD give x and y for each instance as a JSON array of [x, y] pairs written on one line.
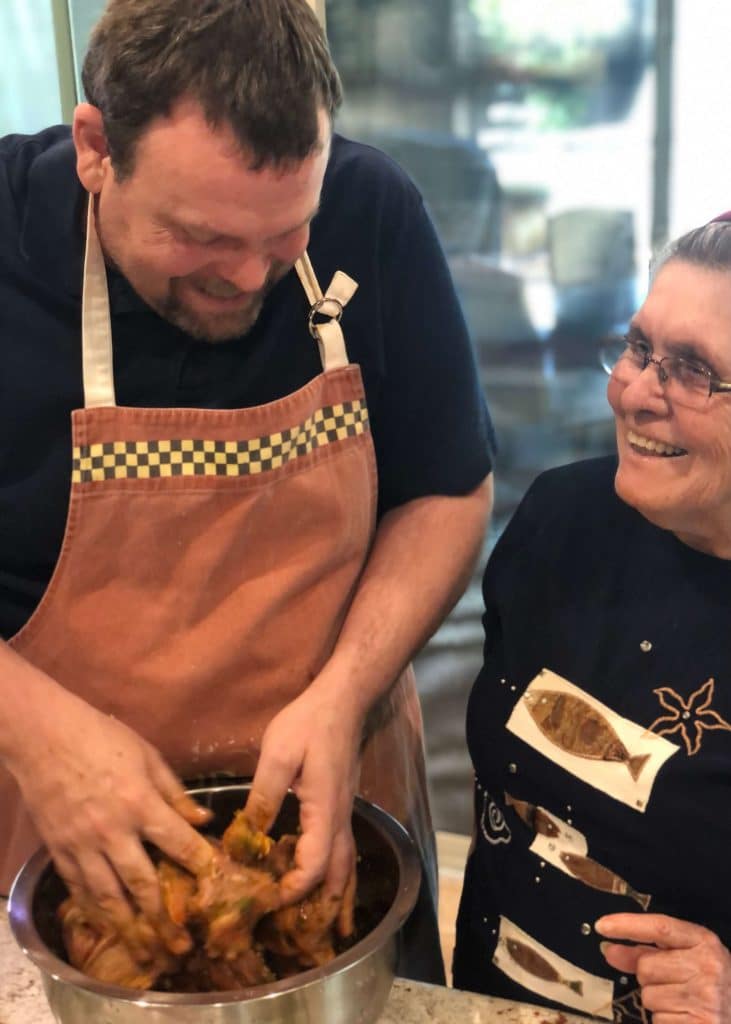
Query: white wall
[[701, 163]]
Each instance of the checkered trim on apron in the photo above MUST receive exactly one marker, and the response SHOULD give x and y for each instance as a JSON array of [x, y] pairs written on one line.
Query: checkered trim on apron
[[120, 460]]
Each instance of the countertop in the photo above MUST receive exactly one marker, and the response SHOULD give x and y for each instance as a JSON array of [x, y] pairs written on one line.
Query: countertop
[[22, 1000]]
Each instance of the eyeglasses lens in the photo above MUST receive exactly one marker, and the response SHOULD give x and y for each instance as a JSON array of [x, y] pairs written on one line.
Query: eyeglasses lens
[[683, 381]]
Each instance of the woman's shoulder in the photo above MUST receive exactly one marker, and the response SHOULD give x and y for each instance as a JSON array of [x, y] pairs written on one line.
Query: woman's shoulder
[[567, 509], [585, 480], [570, 493]]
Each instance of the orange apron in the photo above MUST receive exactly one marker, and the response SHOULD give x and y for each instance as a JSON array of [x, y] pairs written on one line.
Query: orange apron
[[209, 559]]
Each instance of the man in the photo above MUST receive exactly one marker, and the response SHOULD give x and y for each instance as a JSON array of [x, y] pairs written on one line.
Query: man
[[228, 594]]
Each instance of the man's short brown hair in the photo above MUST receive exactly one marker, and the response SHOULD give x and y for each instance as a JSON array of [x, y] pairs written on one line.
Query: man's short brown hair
[[260, 67]]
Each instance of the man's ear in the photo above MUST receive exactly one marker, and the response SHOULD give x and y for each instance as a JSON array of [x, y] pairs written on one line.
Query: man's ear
[[92, 152]]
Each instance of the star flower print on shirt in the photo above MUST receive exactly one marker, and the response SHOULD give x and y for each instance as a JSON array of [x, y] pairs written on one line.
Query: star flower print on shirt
[[694, 714], [629, 1009]]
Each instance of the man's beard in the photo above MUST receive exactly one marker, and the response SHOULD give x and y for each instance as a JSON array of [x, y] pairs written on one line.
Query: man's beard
[[209, 327], [215, 327]]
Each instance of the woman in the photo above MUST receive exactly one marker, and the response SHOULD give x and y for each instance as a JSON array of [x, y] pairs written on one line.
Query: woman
[[600, 724]]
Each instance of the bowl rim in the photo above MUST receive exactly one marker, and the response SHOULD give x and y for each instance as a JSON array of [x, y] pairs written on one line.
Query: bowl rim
[[25, 933]]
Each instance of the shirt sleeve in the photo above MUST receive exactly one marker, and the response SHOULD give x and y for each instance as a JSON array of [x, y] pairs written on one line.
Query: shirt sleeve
[[511, 559], [10, 152], [435, 434]]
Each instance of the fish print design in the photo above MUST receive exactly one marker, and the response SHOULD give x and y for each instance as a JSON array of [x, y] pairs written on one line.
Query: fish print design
[[578, 728], [535, 817], [598, 877], [535, 964]]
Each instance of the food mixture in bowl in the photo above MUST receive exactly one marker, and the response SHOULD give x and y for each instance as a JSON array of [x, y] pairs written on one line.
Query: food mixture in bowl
[[239, 934]]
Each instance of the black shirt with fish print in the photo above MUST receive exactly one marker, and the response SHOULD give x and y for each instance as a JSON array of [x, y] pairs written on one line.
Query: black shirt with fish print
[[600, 732]]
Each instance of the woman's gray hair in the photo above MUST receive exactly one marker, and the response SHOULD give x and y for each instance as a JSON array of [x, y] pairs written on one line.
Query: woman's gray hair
[[707, 246]]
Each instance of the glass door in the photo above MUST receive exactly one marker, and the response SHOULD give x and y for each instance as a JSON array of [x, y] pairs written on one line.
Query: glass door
[[82, 16], [515, 119], [30, 97]]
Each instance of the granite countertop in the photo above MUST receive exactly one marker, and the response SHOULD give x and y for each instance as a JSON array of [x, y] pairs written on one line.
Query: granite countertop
[[22, 1000]]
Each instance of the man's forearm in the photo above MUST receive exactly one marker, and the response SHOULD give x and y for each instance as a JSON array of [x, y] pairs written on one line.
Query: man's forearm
[[422, 558], [27, 697]]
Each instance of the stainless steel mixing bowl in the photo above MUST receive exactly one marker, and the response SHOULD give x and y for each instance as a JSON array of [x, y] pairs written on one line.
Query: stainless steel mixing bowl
[[352, 989]]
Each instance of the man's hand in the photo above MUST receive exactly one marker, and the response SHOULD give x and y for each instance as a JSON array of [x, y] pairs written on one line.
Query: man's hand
[[420, 562], [683, 969], [312, 746], [96, 790]]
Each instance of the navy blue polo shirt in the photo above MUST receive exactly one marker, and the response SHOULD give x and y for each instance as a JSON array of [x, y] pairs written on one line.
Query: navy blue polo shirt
[[431, 427]]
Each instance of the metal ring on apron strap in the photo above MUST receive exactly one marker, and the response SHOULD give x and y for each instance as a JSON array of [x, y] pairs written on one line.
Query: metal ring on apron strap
[[317, 307]]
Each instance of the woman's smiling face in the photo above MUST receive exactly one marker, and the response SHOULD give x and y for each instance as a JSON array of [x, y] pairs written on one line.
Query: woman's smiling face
[[675, 462]]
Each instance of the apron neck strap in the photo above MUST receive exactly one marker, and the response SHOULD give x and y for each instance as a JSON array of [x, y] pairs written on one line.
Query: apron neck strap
[[96, 324]]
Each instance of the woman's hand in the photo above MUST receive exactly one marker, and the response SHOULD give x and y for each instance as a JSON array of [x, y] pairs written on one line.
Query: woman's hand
[[96, 791], [683, 969]]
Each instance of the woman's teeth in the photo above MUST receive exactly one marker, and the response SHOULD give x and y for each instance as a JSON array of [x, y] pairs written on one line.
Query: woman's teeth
[[646, 444]]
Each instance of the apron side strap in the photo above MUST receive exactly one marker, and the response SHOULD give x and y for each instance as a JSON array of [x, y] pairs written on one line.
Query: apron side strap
[[327, 334], [331, 343], [342, 288], [96, 327]]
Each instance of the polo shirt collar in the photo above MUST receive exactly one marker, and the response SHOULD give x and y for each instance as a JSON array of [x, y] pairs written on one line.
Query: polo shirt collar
[[52, 238]]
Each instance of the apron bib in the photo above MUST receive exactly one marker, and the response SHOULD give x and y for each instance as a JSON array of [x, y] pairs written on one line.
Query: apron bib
[[209, 560]]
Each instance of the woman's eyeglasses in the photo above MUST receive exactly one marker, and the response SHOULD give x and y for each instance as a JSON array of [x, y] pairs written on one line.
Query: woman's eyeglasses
[[686, 382]]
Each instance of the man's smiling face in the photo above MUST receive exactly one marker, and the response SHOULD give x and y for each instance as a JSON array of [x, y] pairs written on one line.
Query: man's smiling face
[[199, 235]]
